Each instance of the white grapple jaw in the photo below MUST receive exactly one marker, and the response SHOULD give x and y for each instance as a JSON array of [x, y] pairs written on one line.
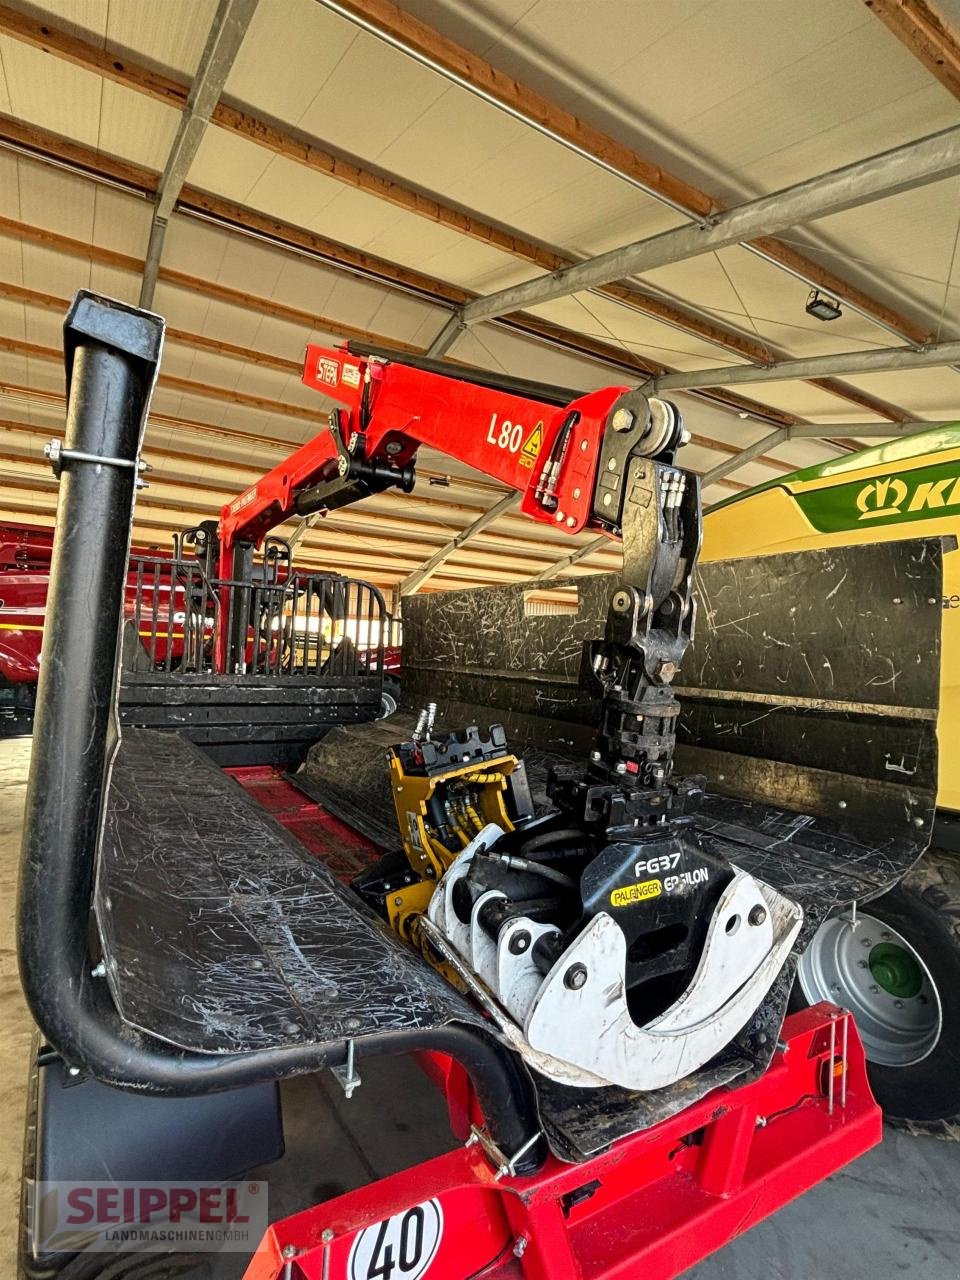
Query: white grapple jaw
[[581, 1033]]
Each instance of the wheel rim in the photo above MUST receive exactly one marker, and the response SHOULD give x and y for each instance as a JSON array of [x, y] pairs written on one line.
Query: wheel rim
[[388, 705], [873, 971]]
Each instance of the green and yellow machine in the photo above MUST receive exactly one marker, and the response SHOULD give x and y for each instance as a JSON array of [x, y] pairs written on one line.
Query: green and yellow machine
[[896, 961]]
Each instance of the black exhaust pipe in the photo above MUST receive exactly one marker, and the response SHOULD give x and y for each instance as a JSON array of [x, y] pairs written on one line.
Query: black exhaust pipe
[[112, 354]]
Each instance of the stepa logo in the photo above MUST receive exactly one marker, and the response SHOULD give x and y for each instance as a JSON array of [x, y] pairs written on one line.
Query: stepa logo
[[890, 496]]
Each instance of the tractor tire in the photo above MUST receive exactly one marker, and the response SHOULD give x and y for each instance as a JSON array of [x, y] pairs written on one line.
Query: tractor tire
[[898, 972]]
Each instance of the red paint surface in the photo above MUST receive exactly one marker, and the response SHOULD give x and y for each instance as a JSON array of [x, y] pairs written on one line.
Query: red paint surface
[[664, 1199], [342, 849]]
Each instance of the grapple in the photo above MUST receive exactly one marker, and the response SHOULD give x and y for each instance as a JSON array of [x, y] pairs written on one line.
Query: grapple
[[629, 939]]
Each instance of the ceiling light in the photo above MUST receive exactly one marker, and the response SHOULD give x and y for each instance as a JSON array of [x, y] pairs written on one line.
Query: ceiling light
[[822, 306]]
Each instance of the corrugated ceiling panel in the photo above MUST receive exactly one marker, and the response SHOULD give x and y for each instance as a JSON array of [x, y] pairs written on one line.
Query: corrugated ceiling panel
[[908, 239], [87, 18], [931, 393], [817, 78], [57, 201], [170, 35], [135, 127], [766, 298], [51, 93], [847, 136], [52, 272], [288, 55], [638, 333], [5, 104], [121, 222], [800, 398]]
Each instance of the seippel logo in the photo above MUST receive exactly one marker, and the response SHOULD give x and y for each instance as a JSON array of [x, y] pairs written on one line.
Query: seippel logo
[[891, 496]]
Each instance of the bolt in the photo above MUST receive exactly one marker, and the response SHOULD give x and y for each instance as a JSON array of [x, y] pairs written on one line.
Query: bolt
[[932, 600], [620, 768], [612, 464], [559, 517], [757, 915], [520, 1246], [326, 1235], [607, 499], [835, 988], [584, 445], [519, 943], [885, 933], [398, 902], [576, 493], [918, 822], [842, 804], [73, 1071], [290, 1250], [575, 977], [875, 989], [897, 600], [570, 522], [861, 964], [622, 420], [100, 971], [595, 757], [866, 942], [898, 1004]]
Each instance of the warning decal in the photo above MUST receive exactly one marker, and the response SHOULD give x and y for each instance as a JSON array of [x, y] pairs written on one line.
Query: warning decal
[[531, 446]]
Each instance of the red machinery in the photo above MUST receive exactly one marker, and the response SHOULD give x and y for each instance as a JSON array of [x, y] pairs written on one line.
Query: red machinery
[[658, 1197]]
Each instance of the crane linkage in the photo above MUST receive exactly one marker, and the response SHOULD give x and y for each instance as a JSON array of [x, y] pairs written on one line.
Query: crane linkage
[[600, 461]]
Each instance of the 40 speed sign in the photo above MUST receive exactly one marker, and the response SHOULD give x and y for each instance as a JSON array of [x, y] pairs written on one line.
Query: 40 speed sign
[[398, 1248]]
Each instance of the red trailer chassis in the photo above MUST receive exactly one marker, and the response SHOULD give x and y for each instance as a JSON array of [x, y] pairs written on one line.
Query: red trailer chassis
[[650, 1206]]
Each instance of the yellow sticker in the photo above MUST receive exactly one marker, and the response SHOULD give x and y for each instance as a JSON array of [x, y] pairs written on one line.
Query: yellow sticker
[[531, 446], [631, 893]]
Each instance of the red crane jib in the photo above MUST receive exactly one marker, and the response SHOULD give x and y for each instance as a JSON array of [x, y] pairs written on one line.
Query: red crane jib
[[398, 407]]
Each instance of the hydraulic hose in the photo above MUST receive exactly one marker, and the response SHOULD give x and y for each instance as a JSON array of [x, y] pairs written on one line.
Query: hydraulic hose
[[112, 355]]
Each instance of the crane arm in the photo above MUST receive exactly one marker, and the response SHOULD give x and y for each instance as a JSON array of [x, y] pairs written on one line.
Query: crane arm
[[544, 442], [603, 460]]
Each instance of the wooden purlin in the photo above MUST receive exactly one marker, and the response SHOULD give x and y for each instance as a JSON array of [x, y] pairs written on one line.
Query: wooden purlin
[[927, 34]]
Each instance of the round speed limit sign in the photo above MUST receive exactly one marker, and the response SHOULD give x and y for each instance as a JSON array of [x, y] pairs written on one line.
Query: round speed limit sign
[[398, 1248]]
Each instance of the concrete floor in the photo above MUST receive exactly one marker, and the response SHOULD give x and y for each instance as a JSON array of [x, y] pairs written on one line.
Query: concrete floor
[[895, 1212]]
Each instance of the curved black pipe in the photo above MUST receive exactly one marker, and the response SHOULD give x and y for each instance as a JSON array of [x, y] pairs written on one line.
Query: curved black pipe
[[112, 354]]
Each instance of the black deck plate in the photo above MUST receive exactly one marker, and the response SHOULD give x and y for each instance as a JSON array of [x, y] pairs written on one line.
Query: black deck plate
[[222, 934]]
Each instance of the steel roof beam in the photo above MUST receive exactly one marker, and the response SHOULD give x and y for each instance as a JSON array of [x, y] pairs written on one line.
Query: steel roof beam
[[884, 360], [230, 24], [414, 581], [904, 168]]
